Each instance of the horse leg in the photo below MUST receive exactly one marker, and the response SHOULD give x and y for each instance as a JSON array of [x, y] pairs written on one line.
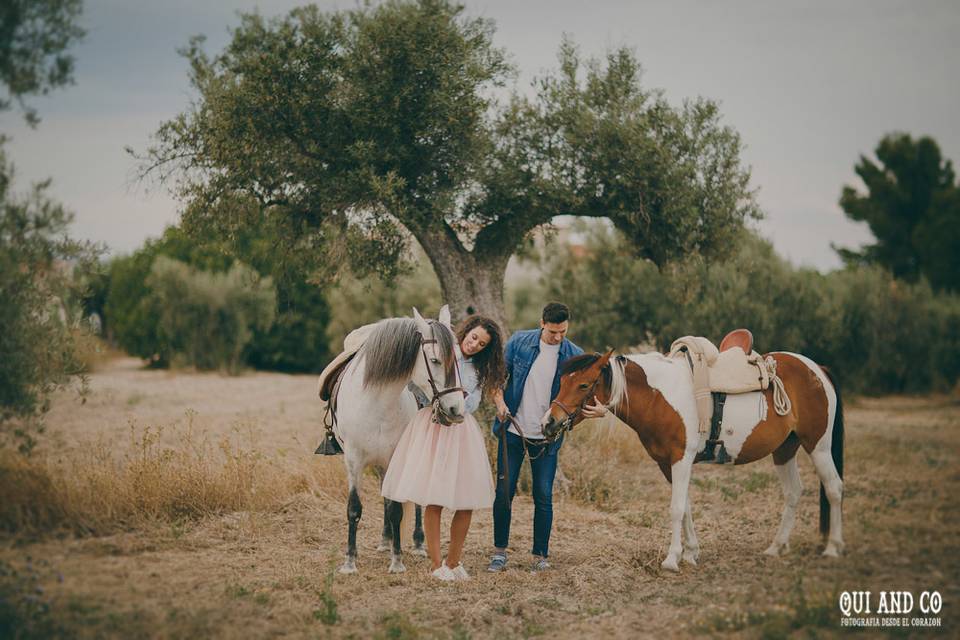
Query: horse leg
[[386, 537], [691, 548], [680, 480], [833, 487], [418, 548], [792, 488], [354, 512], [396, 517]]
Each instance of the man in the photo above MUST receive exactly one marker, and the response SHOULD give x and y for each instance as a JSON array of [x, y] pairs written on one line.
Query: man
[[533, 381]]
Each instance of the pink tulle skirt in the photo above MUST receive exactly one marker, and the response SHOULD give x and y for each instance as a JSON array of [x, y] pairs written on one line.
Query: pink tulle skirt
[[446, 466]]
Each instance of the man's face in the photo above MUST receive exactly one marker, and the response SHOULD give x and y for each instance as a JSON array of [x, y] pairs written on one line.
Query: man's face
[[553, 332]]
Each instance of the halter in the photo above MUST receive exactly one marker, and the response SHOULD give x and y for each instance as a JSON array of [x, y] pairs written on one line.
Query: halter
[[570, 416], [438, 411]]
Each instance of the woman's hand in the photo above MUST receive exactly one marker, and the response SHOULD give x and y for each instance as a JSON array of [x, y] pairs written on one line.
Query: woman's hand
[[595, 410]]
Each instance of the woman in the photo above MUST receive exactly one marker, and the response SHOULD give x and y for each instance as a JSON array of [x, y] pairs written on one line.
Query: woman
[[439, 466]]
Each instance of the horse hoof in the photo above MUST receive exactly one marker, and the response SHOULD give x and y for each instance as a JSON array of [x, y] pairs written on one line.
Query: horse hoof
[[773, 550], [690, 557], [385, 545], [420, 551], [348, 567], [670, 564], [397, 567], [831, 551]]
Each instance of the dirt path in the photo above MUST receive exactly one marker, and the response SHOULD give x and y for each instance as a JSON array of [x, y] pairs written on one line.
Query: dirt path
[[271, 574]]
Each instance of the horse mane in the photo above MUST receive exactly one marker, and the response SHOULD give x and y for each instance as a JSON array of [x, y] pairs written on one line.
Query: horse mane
[[613, 375], [392, 349]]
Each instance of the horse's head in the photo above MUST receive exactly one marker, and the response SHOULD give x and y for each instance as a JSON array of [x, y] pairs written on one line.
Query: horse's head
[[436, 371], [581, 378]]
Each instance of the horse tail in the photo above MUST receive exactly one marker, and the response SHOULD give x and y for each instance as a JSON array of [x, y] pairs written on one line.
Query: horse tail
[[836, 450]]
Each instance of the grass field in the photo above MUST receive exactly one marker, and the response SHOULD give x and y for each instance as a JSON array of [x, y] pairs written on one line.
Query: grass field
[[181, 505]]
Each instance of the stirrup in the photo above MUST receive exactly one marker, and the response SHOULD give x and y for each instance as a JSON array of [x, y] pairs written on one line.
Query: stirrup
[[329, 446]]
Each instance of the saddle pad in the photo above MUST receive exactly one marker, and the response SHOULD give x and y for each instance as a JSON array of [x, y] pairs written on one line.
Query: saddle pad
[[741, 415], [351, 345]]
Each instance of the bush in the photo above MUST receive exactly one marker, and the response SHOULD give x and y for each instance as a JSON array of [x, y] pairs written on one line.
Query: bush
[[207, 319], [296, 341], [38, 328], [879, 334]]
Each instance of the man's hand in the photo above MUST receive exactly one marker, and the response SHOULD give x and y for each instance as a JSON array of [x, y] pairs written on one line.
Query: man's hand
[[502, 410], [595, 410]]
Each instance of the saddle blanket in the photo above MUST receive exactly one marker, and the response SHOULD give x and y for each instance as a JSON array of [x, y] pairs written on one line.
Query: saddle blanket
[[741, 415]]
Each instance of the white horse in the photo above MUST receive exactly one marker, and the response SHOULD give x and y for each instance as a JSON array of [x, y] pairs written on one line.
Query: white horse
[[374, 405]]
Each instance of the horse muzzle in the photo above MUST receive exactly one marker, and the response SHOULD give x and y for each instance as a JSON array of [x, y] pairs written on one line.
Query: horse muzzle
[[552, 428], [446, 419]]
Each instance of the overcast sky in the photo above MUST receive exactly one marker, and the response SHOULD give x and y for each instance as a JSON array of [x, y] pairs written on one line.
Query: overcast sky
[[809, 86]]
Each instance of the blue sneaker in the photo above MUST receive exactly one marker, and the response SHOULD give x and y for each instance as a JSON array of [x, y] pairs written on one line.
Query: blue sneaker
[[542, 564], [498, 562]]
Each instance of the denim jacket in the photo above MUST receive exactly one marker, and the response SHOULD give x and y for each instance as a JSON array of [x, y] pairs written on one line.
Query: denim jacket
[[522, 349]]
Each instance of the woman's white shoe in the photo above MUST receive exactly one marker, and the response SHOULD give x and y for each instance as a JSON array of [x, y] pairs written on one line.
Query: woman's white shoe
[[444, 573], [459, 572]]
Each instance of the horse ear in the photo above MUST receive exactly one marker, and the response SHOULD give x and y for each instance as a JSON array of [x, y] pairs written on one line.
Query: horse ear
[[422, 325], [605, 359], [445, 316]]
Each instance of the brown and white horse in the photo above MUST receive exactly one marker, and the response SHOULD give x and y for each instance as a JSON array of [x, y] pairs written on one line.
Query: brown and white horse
[[654, 396]]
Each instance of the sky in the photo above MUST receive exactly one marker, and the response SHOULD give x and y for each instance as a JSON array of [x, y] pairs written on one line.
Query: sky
[[810, 86]]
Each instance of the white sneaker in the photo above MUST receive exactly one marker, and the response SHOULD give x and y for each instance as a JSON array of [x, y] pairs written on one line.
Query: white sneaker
[[444, 573], [459, 572]]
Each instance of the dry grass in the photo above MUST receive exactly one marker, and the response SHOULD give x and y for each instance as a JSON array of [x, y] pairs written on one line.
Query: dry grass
[[224, 524], [103, 487]]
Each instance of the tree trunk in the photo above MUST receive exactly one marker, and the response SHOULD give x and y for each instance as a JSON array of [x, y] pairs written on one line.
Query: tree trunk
[[468, 284]]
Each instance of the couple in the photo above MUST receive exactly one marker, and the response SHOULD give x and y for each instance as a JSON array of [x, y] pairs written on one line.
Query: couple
[[438, 466]]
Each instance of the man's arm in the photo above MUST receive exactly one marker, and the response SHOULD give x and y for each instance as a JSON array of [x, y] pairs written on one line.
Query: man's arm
[[508, 357]]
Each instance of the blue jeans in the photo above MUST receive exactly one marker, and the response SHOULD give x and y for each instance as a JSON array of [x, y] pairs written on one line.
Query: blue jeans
[[543, 467]]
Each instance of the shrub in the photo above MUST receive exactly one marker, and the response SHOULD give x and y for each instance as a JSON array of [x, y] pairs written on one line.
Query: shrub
[[38, 352], [296, 341], [879, 334], [209, 318]]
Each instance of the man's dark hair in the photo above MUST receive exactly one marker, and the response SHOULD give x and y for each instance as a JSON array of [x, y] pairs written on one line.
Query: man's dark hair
[[556, 312]]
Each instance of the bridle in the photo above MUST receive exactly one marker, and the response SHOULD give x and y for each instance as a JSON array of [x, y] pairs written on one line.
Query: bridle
[[439, 414], [570, 416]]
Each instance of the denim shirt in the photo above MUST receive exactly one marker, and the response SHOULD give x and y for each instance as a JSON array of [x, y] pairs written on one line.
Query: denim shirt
[[522, 349]]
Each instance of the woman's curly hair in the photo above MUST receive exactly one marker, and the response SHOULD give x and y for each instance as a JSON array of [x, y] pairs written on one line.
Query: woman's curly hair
[[491, 368]]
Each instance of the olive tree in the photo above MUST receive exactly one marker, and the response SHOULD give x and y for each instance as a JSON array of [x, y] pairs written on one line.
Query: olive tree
[[366, 129]]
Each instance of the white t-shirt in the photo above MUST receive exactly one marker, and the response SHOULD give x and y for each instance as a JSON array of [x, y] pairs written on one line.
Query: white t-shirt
[[536, 391]]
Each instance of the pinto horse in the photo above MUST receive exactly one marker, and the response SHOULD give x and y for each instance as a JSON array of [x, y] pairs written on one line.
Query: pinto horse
[[654, 396]]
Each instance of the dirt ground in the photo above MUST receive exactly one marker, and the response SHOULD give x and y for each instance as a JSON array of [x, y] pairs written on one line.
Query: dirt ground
[[272, 574]]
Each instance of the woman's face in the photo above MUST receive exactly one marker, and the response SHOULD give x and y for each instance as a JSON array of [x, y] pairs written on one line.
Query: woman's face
[[475, 341]]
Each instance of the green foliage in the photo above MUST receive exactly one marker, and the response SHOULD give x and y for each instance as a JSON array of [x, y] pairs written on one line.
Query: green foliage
[[209, 318], [327, 613], [296, 341], [879, 334], [38, 327], [130, 310], [912, 205], [358, 301], [353, 131], [34, 36]]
